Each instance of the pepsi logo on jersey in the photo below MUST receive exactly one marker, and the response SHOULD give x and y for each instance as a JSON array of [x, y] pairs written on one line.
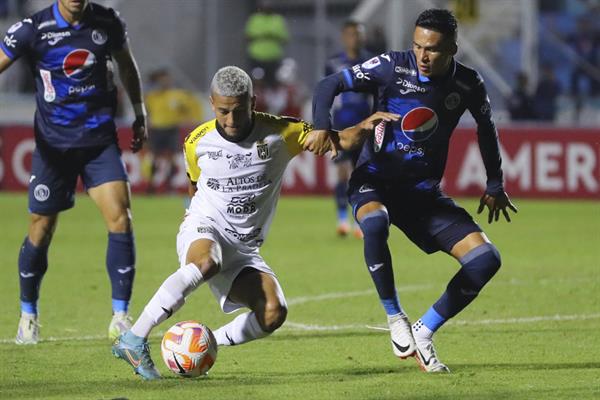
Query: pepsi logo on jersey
[[419, 124], [79, 64]]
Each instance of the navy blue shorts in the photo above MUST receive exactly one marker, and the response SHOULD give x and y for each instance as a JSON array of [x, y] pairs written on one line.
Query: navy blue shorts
[[430, 219], [54, 174]]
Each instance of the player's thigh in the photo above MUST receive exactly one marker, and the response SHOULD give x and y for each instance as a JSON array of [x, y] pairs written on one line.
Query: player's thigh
[[260, 291], [105, 178], [467, 243]]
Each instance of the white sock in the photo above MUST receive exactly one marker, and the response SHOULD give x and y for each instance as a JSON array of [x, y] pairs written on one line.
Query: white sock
[[242, 329], [169, 298], [421, 332]]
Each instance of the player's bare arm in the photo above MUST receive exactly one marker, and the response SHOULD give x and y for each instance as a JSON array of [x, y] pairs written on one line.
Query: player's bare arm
[[353, 137], [320, 141], [5, 61], [130, 76], [192, 188]]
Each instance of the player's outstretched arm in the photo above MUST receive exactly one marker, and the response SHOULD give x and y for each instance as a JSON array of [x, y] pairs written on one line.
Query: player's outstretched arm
[[353, 137], [495, 205], [5, 61], [130, 76]]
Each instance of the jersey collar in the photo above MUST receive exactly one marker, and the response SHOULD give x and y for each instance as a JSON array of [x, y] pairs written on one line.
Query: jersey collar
[[62, 23]]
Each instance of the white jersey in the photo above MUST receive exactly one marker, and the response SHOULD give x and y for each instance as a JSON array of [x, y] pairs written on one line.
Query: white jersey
[[238, 184]]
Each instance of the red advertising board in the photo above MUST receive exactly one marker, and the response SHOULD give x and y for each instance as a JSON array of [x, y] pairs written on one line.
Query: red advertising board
[[539, 163]]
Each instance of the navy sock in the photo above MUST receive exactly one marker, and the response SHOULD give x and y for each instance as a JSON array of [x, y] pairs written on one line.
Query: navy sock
[[33, 263], [478, 267], [375, 228], [341, 201], [120, 264]]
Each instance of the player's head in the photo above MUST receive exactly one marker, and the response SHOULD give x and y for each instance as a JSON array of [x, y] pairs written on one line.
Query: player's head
[[161, 79], [74, 6], [434, 41], [232, 99], [353, 36]]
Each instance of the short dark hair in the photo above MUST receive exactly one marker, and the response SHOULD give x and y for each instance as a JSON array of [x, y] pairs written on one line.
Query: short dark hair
[[351, 23], [439, 20]]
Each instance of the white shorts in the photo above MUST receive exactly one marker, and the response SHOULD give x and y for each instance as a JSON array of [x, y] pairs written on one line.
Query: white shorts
[[235, 258]]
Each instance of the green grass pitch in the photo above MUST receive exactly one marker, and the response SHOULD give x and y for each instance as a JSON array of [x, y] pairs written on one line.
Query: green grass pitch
[[532, 334]]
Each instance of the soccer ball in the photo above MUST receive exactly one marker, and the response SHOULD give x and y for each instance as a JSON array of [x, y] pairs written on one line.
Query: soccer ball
[[189, 349]]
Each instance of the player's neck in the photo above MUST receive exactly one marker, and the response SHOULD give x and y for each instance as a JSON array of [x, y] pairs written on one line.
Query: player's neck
[[352, 54], [71, 18]]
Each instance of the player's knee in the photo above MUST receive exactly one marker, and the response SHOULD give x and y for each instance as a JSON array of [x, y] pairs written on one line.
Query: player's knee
[[41, 229], [273, 316], [375, 225], [207, 265], [483, 263], [119, 222]]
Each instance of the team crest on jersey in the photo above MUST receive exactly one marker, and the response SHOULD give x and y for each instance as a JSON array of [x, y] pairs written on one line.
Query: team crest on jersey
[[372, 63], [99, 37], [239, 160], [41, 193], [79, 64], [452, 101], [419, 124], [262, 149]]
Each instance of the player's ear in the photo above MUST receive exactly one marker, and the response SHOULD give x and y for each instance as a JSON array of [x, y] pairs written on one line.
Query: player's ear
[[212, 103], [453, 48], [253, 102]]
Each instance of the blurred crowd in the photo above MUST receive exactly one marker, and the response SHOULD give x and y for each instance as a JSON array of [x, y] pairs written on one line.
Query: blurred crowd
[[568, 72]]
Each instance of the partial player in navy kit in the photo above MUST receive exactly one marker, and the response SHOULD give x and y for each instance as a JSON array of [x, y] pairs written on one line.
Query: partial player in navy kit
[[70, 47], [349, 109], [403, 149]]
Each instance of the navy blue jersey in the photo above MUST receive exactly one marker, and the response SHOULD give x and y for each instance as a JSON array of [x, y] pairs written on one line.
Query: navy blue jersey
[[349, 108], [414, 149], [75, 94]]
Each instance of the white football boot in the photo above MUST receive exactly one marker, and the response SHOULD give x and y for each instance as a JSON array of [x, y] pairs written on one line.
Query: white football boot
[[426, 356], [120, 323], [29, 329], [403, 343]]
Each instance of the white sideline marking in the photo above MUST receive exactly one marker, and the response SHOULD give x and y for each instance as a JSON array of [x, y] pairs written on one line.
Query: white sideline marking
[[358, 293], [296, 326], [521, 320]]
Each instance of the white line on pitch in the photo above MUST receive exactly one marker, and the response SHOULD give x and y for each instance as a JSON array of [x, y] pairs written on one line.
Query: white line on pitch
[[521, 320]]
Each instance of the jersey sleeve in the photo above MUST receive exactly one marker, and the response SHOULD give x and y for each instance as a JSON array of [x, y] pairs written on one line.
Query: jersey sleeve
[[189, 156], [294, 135], [376, 71], [118, 32], [366, 77], [487, 136], [18, 39]]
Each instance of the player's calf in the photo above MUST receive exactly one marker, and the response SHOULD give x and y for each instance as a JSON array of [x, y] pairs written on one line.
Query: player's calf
[[272, 316]]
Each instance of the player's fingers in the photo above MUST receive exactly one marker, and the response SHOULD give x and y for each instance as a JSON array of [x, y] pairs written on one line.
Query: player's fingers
[[334, 152], [512, 207], [490, 216], [496, 214], [506, 214], [481, 206]]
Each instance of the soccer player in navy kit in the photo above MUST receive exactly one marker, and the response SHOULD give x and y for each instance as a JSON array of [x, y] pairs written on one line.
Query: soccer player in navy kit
[[349, 109], [403, 150], [70, 47]]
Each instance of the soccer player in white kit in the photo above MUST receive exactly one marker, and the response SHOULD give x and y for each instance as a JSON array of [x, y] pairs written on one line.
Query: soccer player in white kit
[[235, 164]]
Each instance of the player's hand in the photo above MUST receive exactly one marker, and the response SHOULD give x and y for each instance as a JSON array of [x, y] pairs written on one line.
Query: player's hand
[[495, 205], [370, 123], [320, 142], [140, 134]]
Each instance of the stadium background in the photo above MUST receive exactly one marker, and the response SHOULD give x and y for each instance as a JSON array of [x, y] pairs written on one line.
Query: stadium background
[[532, 334], [556, 157]]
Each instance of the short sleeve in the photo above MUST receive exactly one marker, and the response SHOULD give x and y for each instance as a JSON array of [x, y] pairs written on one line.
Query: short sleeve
[[294, 135], [118, 32], [376, 71], [18, 39]]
